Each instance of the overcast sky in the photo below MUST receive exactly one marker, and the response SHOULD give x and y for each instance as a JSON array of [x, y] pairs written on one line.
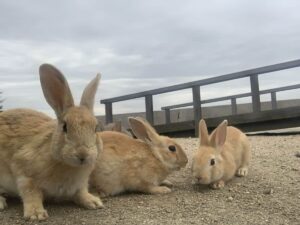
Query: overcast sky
[[140, 45]]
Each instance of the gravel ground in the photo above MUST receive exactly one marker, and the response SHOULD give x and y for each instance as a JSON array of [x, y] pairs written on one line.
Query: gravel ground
[[270, 194]]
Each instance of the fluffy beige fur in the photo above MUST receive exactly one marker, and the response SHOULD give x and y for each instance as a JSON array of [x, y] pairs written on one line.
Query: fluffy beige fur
[[142, 165], [45, 158], [221, 155]]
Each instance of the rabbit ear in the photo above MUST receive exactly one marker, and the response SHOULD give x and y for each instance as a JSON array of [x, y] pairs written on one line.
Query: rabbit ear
[[203, 133], [88, 95], [117, 126], [218, 137], [56, 89], [143, 130]]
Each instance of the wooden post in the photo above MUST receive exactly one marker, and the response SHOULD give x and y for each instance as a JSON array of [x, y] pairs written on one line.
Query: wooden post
[[197, 107], [273, 100], [255, 93], [149, 108], [233, 106], [168, 116], [108, 112]]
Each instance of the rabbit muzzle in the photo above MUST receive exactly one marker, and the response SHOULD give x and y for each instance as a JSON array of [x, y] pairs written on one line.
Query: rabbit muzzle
[[82, 156]]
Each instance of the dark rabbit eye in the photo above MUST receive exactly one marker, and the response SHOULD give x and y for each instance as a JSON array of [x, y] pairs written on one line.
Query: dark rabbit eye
[[65, 127], [212, 162], [172, 148]]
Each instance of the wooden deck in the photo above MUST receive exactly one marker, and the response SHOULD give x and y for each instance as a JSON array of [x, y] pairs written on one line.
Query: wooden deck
[[248, 122]]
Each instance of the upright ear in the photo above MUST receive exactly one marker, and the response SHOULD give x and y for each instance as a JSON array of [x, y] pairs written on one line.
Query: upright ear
[[203, 133], [218, 137], [143, 130], [88, 95], [117, 126], [56, 89]]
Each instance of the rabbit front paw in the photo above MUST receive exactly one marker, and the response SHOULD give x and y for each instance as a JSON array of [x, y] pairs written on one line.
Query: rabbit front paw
[[167, 183], [159, 190], [33, 213], [242, 172], [90, 201], [218, 185]]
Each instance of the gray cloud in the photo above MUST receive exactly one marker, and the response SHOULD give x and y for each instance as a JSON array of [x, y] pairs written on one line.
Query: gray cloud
[[140, 45]]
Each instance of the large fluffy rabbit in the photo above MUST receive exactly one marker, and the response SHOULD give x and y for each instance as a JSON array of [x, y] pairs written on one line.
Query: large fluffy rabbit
[[142, 164], [41, 157], [221, 155]]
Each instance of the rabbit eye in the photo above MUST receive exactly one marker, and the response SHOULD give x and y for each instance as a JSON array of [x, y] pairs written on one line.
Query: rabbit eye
[[172, 148], [65, 127], [212, 162]]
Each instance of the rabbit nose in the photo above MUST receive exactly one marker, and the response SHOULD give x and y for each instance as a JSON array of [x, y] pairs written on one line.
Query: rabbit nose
[[81, 158]]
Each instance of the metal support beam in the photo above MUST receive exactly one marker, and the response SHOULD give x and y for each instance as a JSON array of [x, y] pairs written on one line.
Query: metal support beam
[[233, 106], [108, 113], [149, 109], [168, 116], [197, 107], [255, 93], [274, 100]]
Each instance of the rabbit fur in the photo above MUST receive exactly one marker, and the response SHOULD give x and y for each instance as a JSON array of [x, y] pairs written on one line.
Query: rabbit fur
[[45, 158], [140, 165], [223, 154]]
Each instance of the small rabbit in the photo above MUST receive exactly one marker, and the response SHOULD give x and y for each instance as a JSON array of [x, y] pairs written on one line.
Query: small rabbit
[[221, 155], [45, 158], [141, 165]]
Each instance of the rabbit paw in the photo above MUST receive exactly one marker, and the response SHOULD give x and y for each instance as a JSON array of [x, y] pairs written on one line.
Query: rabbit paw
[[159, 190], [100, 194], [103, 194], [3, 203], [91, 202], [242, 172], [167, 183], [35, 214], [218, 185]]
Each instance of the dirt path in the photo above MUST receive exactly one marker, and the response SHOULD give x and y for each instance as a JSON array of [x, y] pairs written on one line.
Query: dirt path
[[269, 195]]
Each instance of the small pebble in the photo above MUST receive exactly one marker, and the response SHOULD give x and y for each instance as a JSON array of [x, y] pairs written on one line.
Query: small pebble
[[269, 191], [230, 198]]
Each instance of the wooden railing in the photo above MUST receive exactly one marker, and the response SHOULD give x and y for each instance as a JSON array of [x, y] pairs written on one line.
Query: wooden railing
[[196, 86], [233, 98]]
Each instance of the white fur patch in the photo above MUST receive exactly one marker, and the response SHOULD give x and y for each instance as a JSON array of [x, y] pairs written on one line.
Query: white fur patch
[[8, 184], [67, 187], [3, 204], [64, 189]]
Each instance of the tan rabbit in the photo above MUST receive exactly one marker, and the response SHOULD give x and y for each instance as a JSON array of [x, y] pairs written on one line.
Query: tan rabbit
[[45, 158], [141, 165], [221, 155]]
